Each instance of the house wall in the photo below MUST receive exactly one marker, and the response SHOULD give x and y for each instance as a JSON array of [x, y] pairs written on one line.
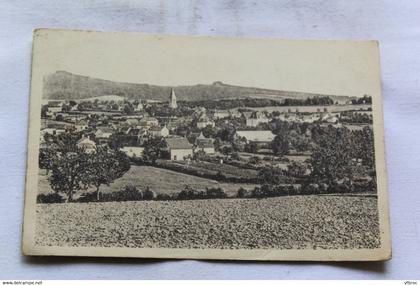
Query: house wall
[[202, 125], [178, 154], [208, 150], [255, 122], [132, 151]]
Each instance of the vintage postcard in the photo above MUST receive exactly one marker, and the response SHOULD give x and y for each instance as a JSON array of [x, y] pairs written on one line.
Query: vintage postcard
[[205, 148]]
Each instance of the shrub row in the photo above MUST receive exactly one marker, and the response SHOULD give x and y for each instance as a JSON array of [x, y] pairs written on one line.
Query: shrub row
[[131, 193], [268, 190]]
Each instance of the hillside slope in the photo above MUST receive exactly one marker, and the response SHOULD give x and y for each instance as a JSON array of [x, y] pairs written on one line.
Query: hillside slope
[[65, 85]]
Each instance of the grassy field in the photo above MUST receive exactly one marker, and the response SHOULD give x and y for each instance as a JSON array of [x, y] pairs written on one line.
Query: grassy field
[[157, 179], [300, 222]]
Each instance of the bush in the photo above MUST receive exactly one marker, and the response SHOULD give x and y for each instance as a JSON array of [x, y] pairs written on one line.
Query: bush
[[49, 198], [189, 194], [88, 197], [243, 193], [129, 193], [215, 193], [164, 197], [149, 194]]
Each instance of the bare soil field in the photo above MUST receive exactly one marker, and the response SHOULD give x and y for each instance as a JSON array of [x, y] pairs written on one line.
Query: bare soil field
[[300, 222]]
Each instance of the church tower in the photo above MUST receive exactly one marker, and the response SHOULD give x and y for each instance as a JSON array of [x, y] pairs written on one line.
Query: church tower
[[172, 100]]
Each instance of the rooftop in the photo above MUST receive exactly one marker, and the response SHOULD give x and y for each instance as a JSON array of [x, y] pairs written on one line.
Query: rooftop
[[178, 143]]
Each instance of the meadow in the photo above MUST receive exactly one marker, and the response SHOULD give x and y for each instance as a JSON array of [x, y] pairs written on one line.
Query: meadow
[[156, 179]]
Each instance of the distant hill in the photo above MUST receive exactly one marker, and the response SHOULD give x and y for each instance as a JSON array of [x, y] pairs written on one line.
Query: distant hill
[[64, 85]]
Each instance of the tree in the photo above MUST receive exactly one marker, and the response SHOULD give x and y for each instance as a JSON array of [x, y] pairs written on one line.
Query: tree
[[128, 108], [272, 175], [252, 147], [333, 157], [280, 144], [297, 169], [106, 166], [46, 158], [209, 131], [44, 111], [199, 155], [154, 148], [254, 160], [70, 173], [59, 118]]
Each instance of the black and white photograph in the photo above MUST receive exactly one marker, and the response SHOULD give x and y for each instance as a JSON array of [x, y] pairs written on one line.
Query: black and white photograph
[[205, 148]]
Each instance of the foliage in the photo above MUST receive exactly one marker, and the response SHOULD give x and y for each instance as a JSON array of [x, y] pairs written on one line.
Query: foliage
[[46, 159], [296, 169], [280, 144], [106, 166], [215, 193], [273, 175], [154, 148], [49, 198], [70, 173], [340, 153], [363, 100]]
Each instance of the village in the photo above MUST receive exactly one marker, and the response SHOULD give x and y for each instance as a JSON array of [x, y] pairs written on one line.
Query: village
[[188, 146], [101, 121]]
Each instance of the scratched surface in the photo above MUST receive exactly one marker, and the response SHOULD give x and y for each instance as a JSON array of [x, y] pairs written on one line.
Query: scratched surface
[[394, 23]]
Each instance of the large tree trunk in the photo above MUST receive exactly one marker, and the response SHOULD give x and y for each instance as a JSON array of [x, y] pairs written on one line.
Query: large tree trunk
[[97, 193], [69, 197]]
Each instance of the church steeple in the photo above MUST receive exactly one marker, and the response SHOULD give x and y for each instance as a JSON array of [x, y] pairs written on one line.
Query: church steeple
[[172, 100]]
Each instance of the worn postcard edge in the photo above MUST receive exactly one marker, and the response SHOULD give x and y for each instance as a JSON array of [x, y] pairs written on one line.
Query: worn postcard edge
[[29, 247]]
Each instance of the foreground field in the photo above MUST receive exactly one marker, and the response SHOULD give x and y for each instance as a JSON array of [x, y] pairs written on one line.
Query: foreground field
[[327, 222]]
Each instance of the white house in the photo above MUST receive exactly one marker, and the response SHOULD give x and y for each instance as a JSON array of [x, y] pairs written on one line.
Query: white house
[[179, 148], [103, 134], [221, 114], [87, 144], [133, 151], [255, 119], [157, 131], [51, 131], [148, 122], [204, 121], [81, 125], [204, 144]]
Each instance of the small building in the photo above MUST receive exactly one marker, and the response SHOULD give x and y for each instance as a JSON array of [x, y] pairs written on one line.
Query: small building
[[132, 122], [139, 107], [179, 148], [52, 131], [204, 144], [157, 131], [81, 125], [135, 136], [329, 118], [256, 136], [256, 118], [54, 107], [148, 122], [204, 121], [133, 151], [87, 144], [221, 114], [103, 134]]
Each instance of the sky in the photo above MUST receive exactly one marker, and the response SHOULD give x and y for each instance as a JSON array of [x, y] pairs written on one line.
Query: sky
[[326, 67]]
